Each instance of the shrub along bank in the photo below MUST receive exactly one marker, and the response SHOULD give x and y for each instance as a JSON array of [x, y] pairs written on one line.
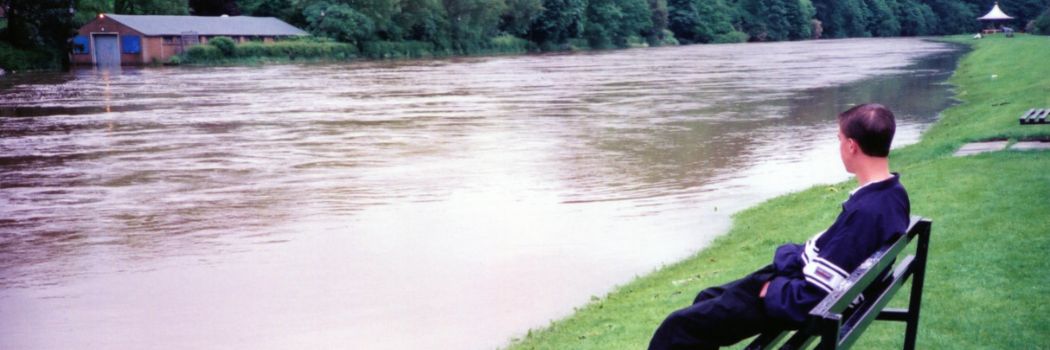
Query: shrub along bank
[[224, 50], [986, 279]]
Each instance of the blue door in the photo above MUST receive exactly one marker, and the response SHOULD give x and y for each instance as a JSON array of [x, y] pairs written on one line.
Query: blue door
[[107, 50]]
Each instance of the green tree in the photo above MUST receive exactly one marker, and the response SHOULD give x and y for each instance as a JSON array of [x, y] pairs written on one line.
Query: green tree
[[214, 7], [843, 18], [611, 22], [424, 20], [800, 17], [340, 22], [225, 44], [286, 10], [698, 21], [916, 18], [1041, 24], [883, 18], [1023, 11], [560, 21], [955, 16], [519, 15], [151, 7], [658, 19], [88, 10], [472, 23]]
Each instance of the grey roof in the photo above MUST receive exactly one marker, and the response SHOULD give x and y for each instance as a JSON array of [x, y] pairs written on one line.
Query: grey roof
[[235, 25]]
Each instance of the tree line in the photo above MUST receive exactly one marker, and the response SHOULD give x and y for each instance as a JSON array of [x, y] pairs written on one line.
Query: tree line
[[469, 26]]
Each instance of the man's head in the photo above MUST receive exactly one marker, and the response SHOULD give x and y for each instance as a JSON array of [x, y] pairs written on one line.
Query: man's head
[[865, 134]]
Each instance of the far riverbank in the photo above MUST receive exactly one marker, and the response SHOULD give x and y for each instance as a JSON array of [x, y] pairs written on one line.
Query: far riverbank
[[985, 284]]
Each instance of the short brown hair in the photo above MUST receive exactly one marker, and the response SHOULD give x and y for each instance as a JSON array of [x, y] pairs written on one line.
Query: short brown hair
[[872, 125]]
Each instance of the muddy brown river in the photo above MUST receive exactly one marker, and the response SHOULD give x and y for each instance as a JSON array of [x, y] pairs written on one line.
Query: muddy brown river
[[427, 204]]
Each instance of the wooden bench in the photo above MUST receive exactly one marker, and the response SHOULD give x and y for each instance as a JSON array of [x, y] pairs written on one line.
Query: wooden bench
[[1034, 116], [838, 325]]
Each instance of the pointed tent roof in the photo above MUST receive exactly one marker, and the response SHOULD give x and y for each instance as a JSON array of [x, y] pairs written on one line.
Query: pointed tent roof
[[235, 25], [995, 14]]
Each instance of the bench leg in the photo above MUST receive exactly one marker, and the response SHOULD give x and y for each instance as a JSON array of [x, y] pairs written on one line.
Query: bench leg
[[916, 288]]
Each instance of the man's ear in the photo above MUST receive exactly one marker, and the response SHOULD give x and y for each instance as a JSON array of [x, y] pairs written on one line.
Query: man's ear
[[854, 147]]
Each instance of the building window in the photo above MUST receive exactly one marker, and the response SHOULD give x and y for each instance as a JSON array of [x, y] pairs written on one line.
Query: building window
[[130, 43], [81, 45], [172, 40]]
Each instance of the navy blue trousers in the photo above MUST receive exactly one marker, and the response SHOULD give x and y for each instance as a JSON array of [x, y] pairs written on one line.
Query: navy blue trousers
[[719, 316]]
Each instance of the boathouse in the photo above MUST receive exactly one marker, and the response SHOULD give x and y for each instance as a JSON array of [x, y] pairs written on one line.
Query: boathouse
[[137, 39]]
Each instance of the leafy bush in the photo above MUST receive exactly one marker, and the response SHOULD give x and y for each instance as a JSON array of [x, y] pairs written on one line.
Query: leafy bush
[[398, 49], [280, 50], [1041, 25], [226, 45], [507, 43], [15, 59], [669, 39], [731, 37], [203, 53]]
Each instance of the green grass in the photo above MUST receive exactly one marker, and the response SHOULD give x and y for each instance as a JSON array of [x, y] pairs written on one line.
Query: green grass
[[988, 272]]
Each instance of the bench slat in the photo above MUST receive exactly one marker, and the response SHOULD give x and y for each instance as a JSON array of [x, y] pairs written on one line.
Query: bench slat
[[858, 323], [891, 314]]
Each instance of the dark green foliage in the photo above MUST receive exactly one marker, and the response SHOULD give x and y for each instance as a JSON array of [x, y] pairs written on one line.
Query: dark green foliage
[[956, 16], [1024, 11], [883, 20], [916, 18], [655, 33], [472, 23], [775, 20], [560, 21], [151, 7], [1041, 25], [519, 15], [843, 18], [283, 9], [15, 59], [424, 20], [214, 7], [340, 22], [226, 45]]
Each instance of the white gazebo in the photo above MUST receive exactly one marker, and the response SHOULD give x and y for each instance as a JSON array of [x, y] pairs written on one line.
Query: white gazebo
[[994, 16]]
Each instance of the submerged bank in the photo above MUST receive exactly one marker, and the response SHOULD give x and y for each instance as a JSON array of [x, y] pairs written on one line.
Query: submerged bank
[[986, 277]]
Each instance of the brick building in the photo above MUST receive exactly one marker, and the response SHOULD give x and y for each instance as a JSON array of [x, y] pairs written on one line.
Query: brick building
[[136, 39]]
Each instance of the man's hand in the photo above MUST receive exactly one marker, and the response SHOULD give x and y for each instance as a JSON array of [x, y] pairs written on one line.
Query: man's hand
[[762, 293]]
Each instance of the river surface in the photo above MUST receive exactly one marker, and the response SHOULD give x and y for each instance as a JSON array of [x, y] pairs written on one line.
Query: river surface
[[429, 204]]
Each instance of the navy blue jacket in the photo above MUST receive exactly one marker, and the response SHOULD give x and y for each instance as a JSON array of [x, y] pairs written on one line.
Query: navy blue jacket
[[872, 217]]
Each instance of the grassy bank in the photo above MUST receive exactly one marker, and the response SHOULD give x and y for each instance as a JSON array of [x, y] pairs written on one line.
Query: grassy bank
[[987, 278]]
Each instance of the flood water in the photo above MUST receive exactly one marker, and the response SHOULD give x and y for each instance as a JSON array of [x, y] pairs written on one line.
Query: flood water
[[435, 204]]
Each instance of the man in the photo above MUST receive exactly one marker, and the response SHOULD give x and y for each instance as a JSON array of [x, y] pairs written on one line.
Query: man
[[780, 295]]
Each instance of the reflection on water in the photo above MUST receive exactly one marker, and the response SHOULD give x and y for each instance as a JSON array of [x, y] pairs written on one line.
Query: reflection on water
[[459, 201]]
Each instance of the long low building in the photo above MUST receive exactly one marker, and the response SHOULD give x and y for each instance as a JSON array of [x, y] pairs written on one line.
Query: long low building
[[136, 39]]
